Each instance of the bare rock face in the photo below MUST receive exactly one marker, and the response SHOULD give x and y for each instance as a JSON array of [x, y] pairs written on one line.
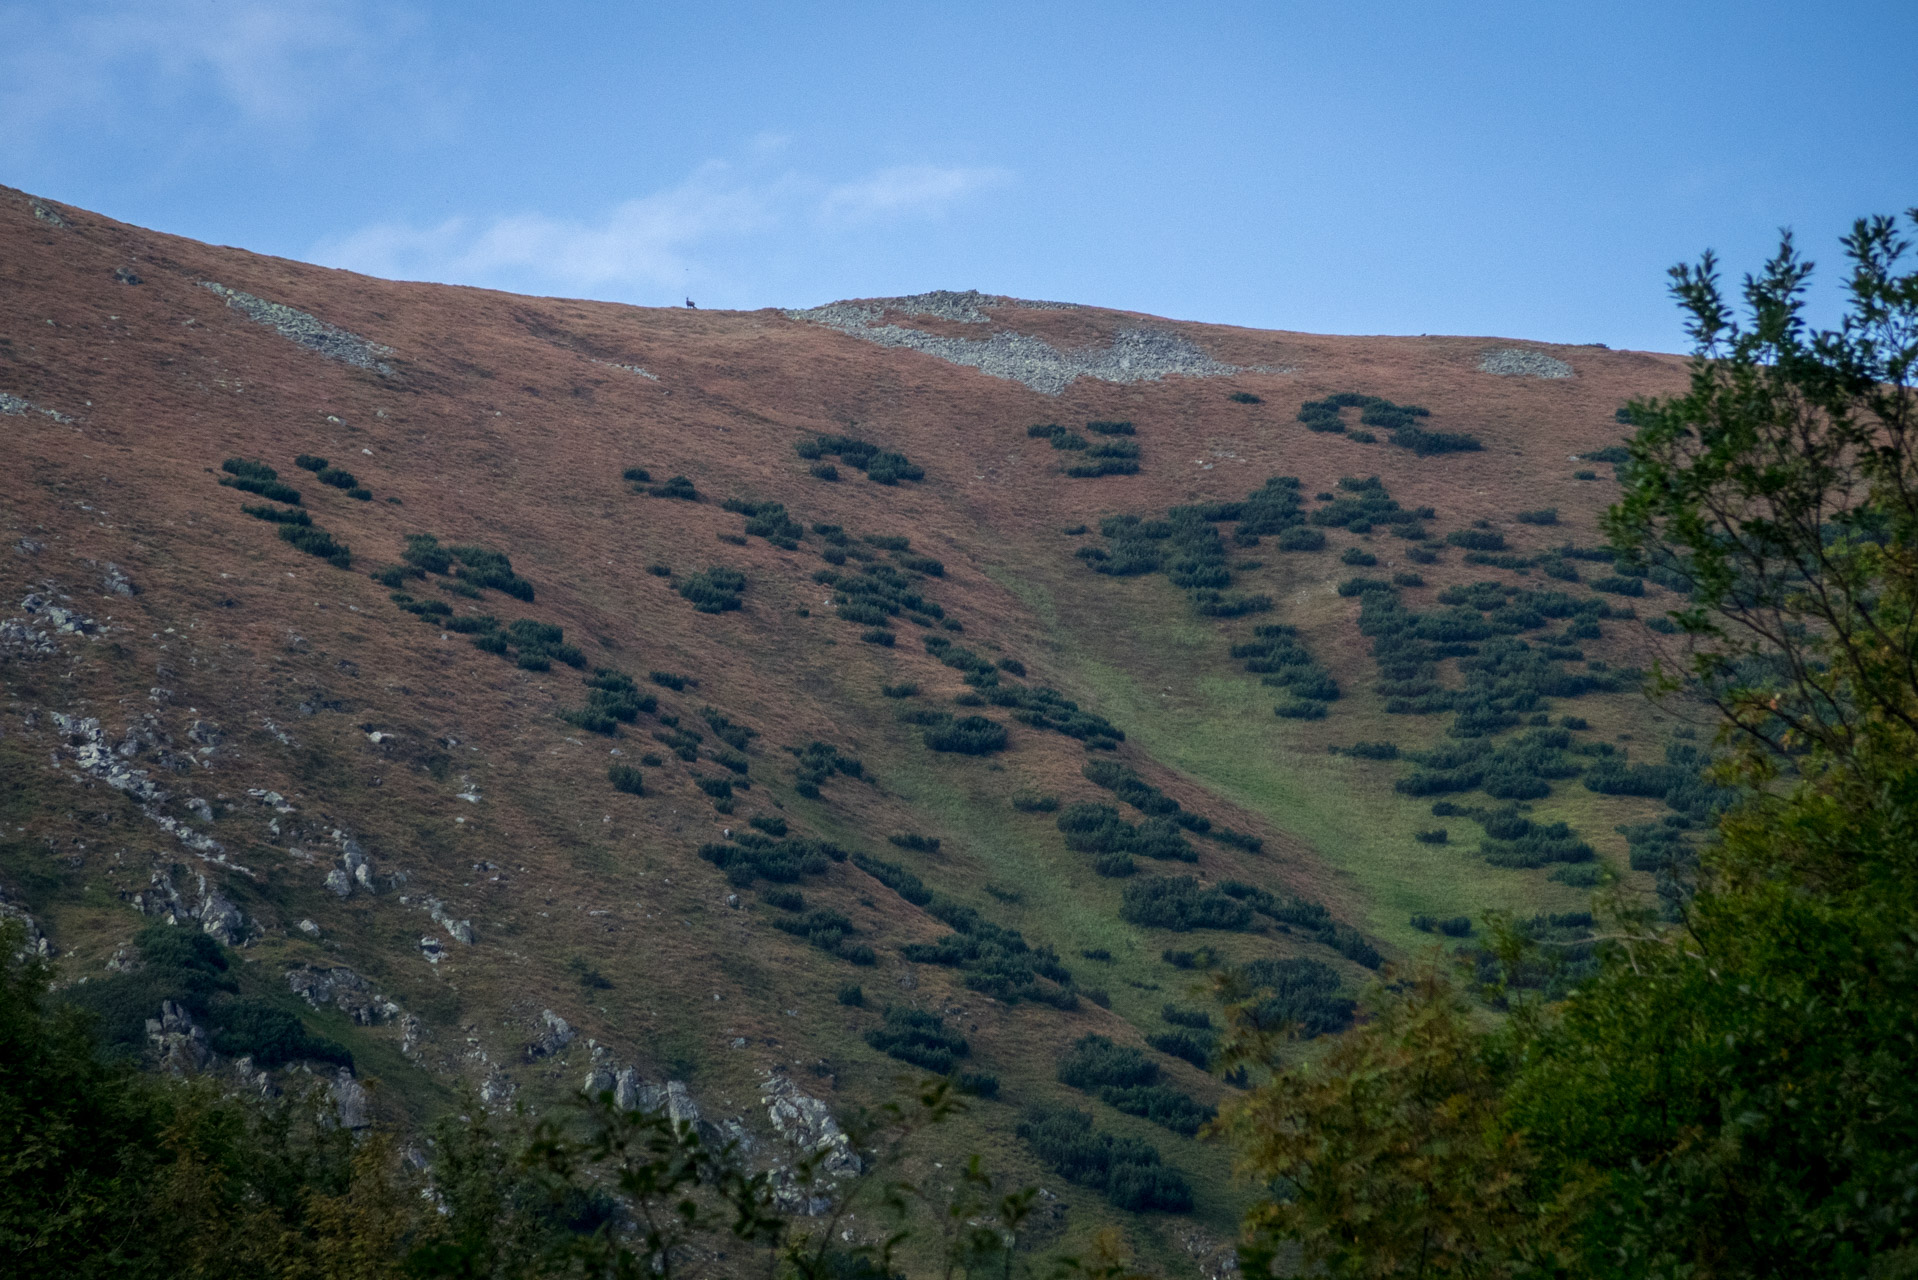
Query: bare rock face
[[221, 919], [350, 1103], [345, 990], [555, 1034], [179, 1043], [35, 942], [807, 1124]]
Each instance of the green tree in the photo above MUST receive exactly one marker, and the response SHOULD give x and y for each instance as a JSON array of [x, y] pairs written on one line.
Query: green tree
[[1732, 1094]]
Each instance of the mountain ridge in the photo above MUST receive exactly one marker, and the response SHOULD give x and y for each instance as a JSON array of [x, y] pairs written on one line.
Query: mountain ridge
[[506, 424]]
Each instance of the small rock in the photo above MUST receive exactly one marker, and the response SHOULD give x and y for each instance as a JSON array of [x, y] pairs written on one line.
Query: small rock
[[310, 929], [432, 949]]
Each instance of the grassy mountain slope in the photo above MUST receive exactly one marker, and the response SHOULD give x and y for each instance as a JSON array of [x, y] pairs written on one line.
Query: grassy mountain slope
[[241, 664]]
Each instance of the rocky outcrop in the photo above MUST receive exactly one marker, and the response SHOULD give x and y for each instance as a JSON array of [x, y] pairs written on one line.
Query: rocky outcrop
[[34, 942], [346, 991], [179, 1043], [554, 1034]]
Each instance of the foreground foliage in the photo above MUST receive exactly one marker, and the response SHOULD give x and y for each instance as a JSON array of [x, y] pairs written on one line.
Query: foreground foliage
[[1729, 1092]]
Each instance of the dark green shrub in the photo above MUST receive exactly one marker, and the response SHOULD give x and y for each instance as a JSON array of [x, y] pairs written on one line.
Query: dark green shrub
[[967, 735], [481, 567], [1358, 556], [1178, 903], [1073, 530], [1131, 1173], [1043, 431], [1544, 515], [278, 515], [717, 590], [1245, 397], [636, 475], [1406, 578], [1476, 539], [1373, 750], [879, 636], [677, 487], [1197, 1019], [979, 1084], [1034, 802], [783, 899], [905, 689], [852, 995], [1584, 475], [269, 489], [316, 541], [824, 471], [1070, 441], [676, 683], [1110, 428], [1612, 453], [1107, 466], [1438, 835], [660, 570], [626, 778], [1300, 538], [1096, 1062], [310, 462], [1298, 992], [1620, 586], [249, 469], [1184, 1045], [1421, 555], [817, 762], [880, 466], [191, 969], [337, 478], [914, 841], [360, 495], [270, 1035], [752, 856], [920, 1038], [1300, 709]]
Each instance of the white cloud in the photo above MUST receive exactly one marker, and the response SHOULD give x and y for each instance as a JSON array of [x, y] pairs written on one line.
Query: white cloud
[[261, 63], [915, 188], [655, 241]]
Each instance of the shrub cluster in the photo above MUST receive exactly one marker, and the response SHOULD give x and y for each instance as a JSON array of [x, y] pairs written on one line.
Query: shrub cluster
[[768, 520], [920, 1038], [753, 855], [676, 487], [316, 541], [626, 778], [819, 761], [1455, 927], [1363, 504], [992, 959], [1131, 1173], [914, 841], [191, 969], [830, 932], [1180, 904], [1099, 830], [253, 476], [877, 593], [881, 466], [1307, 917], [1402, 420], [1195, 1049], [1275, 654], [533, 646], [717, 590], [1296, 992], [1154, 803], [612, 699], [277, 515], [1123, 1078], [965, 735]]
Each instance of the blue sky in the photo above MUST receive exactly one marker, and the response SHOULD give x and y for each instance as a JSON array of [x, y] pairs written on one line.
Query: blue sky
[[1521, 170]]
